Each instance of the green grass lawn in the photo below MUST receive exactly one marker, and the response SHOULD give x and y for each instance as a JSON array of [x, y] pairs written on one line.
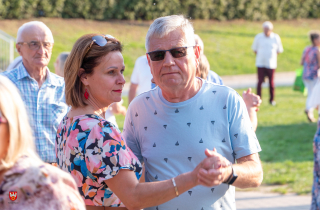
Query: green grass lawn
[[286, 140], [227, 44]]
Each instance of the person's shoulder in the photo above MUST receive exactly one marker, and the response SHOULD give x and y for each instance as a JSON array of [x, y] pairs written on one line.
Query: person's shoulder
[[215, 88], [144, 97], [56, 79], [259, 35], [11, 74]]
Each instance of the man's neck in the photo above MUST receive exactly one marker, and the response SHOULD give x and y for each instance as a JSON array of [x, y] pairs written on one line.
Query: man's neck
[[39, 74], [180, 95]]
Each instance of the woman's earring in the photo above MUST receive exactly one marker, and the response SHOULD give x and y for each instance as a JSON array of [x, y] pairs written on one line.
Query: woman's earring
[[86, 94]]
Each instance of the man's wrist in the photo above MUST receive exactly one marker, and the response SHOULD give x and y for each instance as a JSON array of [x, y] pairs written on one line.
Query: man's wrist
[[229, 174]]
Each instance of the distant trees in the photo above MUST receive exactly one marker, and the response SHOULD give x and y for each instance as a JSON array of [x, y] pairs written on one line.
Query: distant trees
[[150, 9]]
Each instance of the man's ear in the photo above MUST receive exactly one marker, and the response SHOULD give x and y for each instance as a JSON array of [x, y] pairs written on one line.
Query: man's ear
[[18, 47], [83, 77], [149, 62], [197, 54]]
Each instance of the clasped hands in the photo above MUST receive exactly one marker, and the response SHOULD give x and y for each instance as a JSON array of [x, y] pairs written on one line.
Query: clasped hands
[[213, 170]]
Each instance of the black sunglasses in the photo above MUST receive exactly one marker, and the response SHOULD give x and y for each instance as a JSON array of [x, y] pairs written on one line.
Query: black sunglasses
[[177, 52]]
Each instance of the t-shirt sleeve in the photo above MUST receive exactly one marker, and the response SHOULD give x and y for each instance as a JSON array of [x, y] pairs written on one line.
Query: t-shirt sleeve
[[129, 133], [280, 47], [243, 138], [135, 73], [106, 152], [254, 46]]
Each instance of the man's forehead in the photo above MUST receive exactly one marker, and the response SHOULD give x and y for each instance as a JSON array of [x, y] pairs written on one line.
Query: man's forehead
[[172, 39], [36, 33]]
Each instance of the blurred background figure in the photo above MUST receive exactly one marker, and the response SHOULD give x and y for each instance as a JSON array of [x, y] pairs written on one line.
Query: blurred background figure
[[15, 63], [311, 63], [267, 45], [315, 102], [140, 78], [115, 108], [59, 64], [203, 68], [212, 76], [36, 185], [41, 91]]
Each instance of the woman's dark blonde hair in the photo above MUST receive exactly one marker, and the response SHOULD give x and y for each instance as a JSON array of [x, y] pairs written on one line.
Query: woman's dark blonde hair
[[203, 68], [83, 57]]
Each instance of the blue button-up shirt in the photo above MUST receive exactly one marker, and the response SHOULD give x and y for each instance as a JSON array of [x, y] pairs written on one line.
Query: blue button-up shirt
[[45, 106]]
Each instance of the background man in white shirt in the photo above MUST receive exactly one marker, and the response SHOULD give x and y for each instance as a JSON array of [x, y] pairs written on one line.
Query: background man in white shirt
[[140, 78], [267, 46]]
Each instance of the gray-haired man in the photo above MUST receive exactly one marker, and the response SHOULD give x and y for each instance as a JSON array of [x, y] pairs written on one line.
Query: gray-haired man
[[170, 127]]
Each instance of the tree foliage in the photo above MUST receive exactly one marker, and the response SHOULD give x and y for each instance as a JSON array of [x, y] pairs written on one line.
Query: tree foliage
[[150, 9]]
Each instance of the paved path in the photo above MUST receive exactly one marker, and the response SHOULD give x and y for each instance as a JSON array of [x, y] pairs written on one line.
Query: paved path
[[271, 201]]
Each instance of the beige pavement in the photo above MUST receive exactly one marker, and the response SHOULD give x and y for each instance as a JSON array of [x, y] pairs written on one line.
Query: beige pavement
[[271, 201]]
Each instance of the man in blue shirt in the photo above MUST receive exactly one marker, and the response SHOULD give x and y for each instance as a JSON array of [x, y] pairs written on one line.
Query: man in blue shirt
[[42, 91]]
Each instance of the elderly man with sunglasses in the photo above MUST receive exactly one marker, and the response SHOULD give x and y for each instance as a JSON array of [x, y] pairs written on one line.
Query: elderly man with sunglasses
[[41, 90], [173, 127]]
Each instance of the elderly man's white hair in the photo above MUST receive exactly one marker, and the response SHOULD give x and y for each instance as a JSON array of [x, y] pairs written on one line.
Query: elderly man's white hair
[[31, 24], [164, 25], [268, 25]]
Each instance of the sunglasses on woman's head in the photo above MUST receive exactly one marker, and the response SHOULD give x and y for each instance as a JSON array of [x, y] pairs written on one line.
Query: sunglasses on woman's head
[[177, 52], [100, 40]]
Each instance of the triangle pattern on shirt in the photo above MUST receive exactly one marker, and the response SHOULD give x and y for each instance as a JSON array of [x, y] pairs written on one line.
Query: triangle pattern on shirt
[[212, 189], [136, 114], [166, 159], [236, 135], [201, 141], [223, 140], [190, 192], [165, 126], [202, 208], [145, 128], [212, 122], [154, 145], [177, 144], [155, 112], [189, 124], [189, 158], [177, 111], [201, 108], [225, 106], [157, 208], [214, 92], [147, 97], [156, 177]]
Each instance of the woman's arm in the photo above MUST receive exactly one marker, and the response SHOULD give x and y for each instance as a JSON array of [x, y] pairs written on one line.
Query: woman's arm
[[137, 195]]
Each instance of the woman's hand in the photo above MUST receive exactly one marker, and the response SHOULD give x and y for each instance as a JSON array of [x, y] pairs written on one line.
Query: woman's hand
[[213, 170]]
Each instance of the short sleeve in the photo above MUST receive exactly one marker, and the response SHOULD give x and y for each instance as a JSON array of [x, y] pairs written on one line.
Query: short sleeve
[[129, 133], [243, 138], [135, 73], [280, 47], [255, 43], [106, 152]]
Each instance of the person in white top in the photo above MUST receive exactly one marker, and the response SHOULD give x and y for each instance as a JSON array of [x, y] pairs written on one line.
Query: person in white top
[[267, 45], [140, 78]]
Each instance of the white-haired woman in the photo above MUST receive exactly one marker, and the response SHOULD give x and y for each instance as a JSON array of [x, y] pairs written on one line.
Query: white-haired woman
[[26, 182]]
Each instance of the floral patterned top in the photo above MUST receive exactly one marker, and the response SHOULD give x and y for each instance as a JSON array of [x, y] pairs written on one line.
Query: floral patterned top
[[33, 185], [93, 150]]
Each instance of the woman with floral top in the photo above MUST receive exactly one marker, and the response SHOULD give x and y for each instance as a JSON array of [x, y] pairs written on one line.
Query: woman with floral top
[[93, 149], [26, 182]]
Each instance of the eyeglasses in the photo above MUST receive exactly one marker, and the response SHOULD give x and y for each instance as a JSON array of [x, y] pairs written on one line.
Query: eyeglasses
[[177, 52], [33, 45], [99, 40]]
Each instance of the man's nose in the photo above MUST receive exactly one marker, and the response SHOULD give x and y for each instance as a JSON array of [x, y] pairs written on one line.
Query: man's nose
[[168, 59]]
